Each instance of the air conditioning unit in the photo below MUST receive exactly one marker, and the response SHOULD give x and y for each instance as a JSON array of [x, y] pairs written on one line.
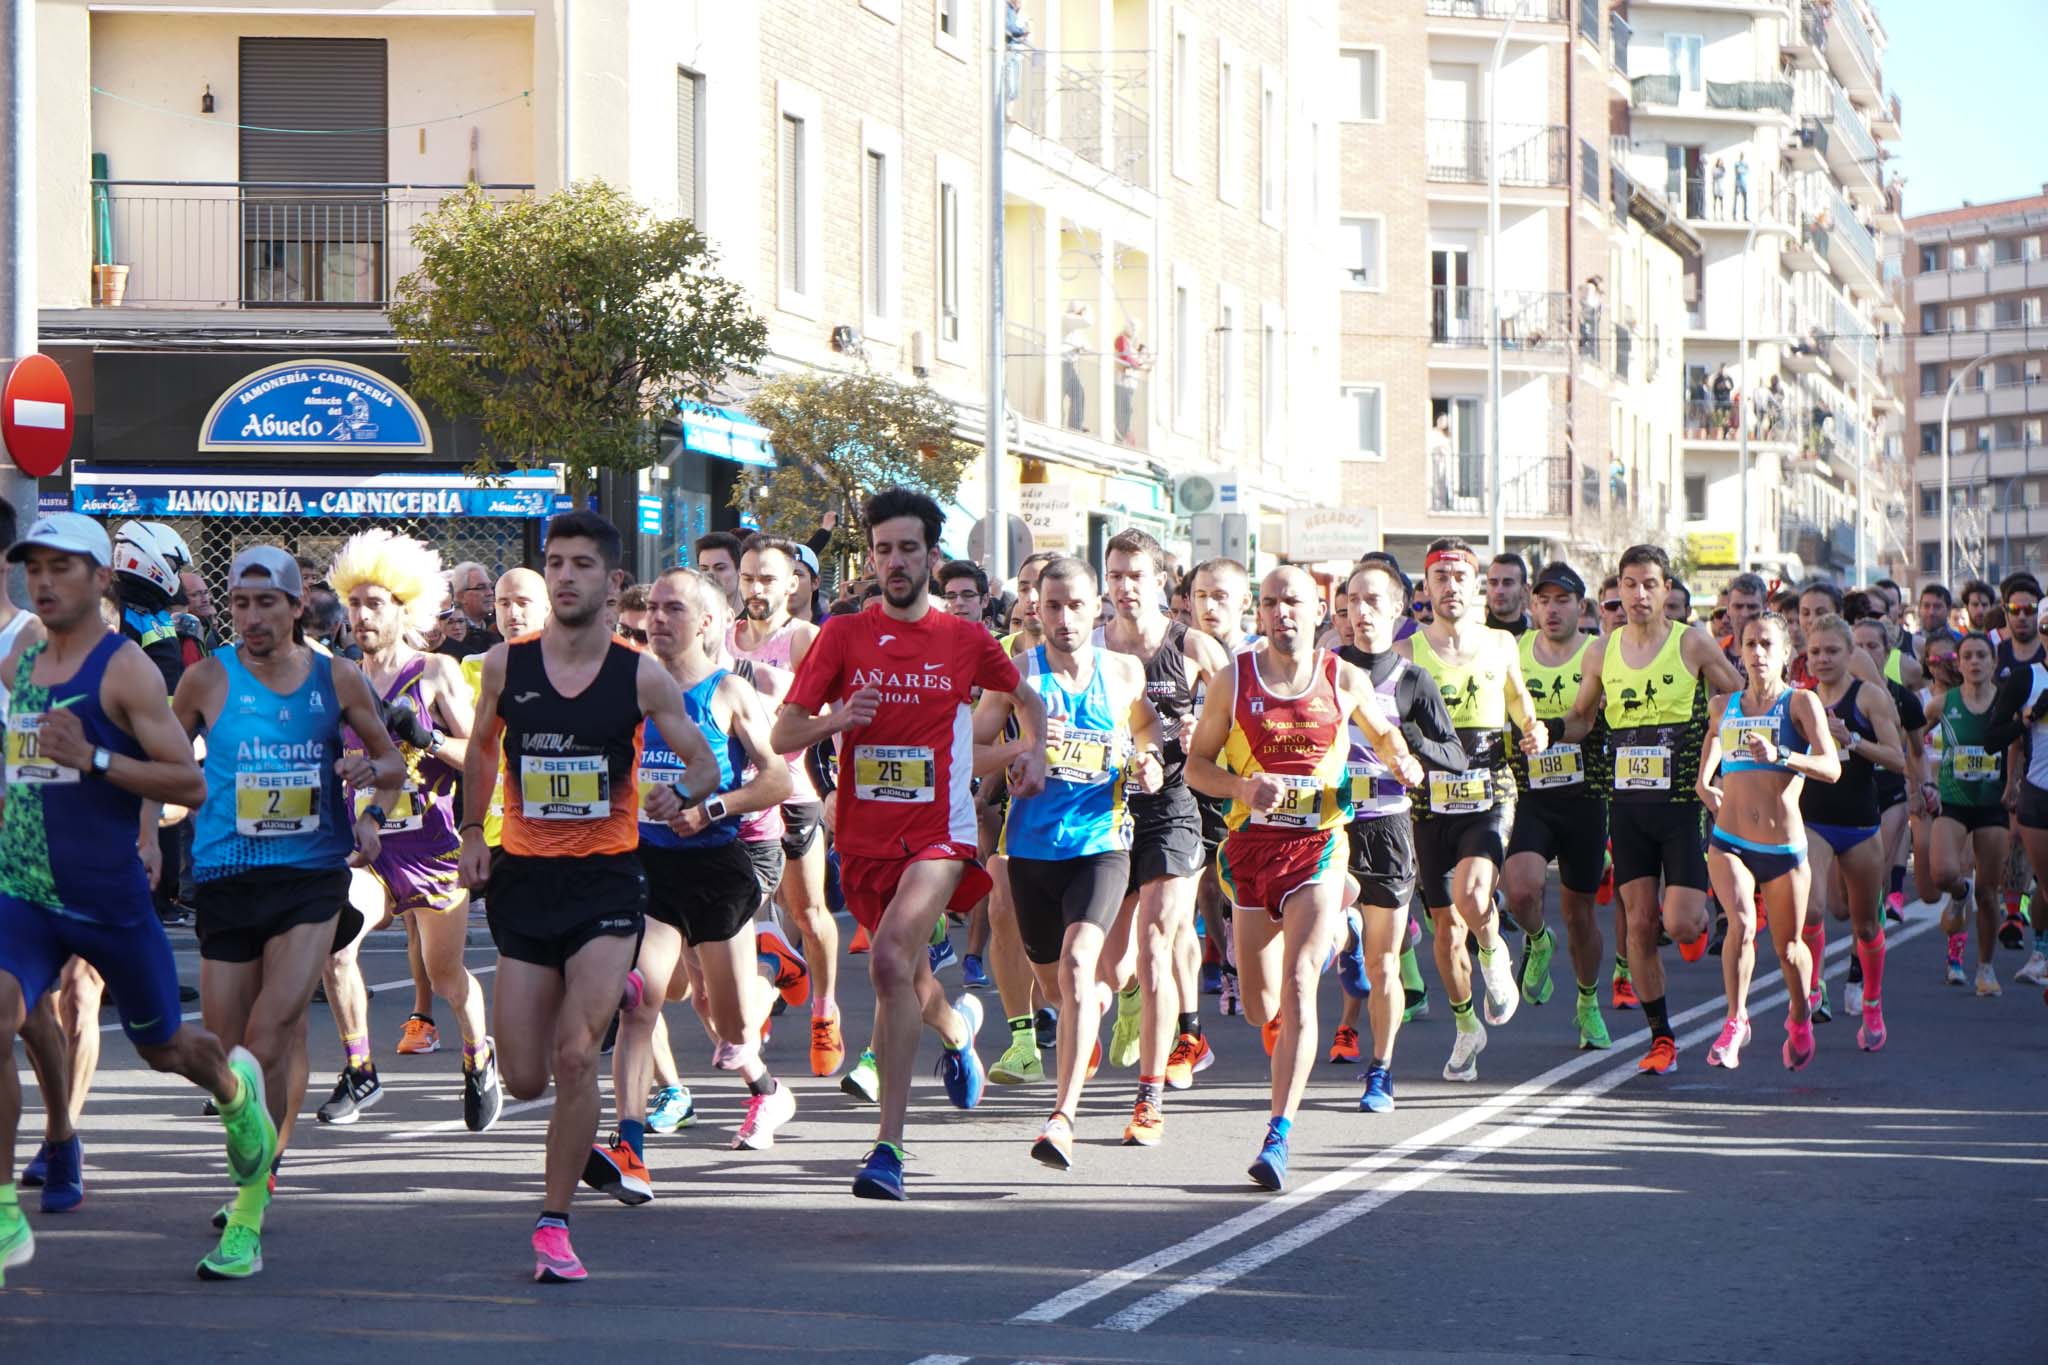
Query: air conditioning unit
[[1195, 494]]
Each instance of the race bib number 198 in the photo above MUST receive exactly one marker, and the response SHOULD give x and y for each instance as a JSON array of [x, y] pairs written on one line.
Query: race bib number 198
[[1560, 765]]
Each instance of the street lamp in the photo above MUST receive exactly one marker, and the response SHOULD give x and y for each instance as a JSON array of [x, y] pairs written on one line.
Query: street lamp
[[1742, 367], [1500, 44], [1948, 531]]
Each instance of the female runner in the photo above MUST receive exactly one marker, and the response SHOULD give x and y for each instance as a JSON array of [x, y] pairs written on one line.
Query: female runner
[[1973, 817]]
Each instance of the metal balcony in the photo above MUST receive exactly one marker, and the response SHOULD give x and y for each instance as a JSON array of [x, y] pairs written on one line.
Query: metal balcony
[[1521, 11], [1851, 149], [1806, 39], [1532, 321], [1655, 90], [1753, 96], [1539, 487], [1530, 156]]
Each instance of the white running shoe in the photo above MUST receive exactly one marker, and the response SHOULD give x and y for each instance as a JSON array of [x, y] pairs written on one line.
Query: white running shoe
[[1465, 1050], [2035, 972], [1987, 980], [1852, 997], [969, 1007], [1503, 996], [765, 1114], [1727, 1049]]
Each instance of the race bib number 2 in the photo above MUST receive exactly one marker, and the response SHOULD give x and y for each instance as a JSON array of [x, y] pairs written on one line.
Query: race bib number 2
[[25, 762], [905, 774], [271, 805], [573, 788]]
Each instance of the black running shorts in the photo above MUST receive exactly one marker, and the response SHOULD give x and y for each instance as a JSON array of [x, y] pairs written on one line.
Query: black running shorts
[[707, 894], [237, 915], [545, 910], [1166, 837], [1658, 839], [1570, 829], [1383, 860], [1052, 895], [1444, 841]]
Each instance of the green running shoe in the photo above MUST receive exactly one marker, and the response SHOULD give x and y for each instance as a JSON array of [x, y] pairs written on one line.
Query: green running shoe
[[1592, 1028], [1418, 1008], [239, 1255], [863, 1081], [1536, 952], [17, 1240], [252, 1137], [1123, 1039], [1020, 1063]]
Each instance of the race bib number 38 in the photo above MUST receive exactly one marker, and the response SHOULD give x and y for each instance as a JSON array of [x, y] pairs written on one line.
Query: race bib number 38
[[25, 761], [905, 774], [1973, 763], [575, 788], [270, 805], [1642, 768]]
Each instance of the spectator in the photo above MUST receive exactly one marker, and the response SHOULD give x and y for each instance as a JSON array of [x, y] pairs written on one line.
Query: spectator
[[1132, 360], [1589, 317], [1742, 186], [634, 604], [804, 602], [963, 585], [718, 554], [466, 622], [1075, 325], [1719, 184], [1442, 457], [1724, 402], [326, 624], [311, 573]]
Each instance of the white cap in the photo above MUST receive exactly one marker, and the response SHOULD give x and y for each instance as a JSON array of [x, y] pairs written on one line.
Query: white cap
[[74, 533]]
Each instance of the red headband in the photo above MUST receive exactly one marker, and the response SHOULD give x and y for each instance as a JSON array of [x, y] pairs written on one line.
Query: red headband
[[1433, 556]]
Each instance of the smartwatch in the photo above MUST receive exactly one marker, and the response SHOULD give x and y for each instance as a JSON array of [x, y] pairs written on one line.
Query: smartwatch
[[102, 761], [375, 812]]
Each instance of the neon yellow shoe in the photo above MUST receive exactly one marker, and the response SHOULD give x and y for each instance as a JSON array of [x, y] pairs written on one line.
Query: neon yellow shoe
[[17, 1240], [1123, 1039]]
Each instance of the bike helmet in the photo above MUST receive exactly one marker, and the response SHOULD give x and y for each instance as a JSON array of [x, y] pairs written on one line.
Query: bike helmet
[[152, 553]]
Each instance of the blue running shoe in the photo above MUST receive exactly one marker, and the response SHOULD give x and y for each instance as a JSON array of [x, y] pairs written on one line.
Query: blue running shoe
[[1351, 958], [1379, 1092], [942, 955], [881, 1175], [1046, 1024], [64, 1177], [673, 1108], [961, 1069], [1212, 978], [973, 975], [33, 1174], [1269, 1172]]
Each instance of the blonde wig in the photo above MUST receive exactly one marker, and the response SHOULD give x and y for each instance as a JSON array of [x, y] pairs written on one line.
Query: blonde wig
[[402, 566]]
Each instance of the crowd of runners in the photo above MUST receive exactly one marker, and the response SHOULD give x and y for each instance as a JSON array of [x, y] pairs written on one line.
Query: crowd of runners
[[1144, 790]]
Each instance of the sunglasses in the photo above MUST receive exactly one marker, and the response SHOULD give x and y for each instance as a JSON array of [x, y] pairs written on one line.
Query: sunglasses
[[2021, 608], [1611, 606], [633, 634]]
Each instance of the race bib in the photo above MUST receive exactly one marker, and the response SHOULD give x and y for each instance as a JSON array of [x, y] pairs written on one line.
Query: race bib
[[1973, 763], [578, 788], [1461, 793], [1373, 788], [1081, 757], [406, 813], [1301, 804], [270, 805], [653, 780], [1561, 765], [1642, 768], [905, 774], [25, 761]]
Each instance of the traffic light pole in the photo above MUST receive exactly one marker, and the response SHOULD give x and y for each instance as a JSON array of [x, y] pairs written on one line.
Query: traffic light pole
[[17, 214]]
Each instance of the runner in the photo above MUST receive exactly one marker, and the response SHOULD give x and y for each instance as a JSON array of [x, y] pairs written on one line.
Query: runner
[[1272, 738], [561, 711], [90, 741], [1977, 720], [1219, 594], [1461, 832], [718, 554], [1766, 741], [963, 589], [2027, 793], [1069, 845], [1646, 680], [1899, 795], [1559, 812], [897, 677], [2019, 649], [770, 635]]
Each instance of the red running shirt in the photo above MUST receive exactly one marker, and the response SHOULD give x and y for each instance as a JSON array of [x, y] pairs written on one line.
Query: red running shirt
[[905, 780]]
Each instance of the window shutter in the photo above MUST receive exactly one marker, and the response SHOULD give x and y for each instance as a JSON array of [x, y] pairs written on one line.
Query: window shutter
[[791, 169], [689, 99], [875, 253]]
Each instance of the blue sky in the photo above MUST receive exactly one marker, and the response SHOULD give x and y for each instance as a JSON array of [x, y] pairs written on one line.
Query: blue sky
[[1969, 76]]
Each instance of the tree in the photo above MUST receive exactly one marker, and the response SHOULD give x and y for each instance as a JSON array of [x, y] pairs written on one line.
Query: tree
[[569, 326], [840, 437]]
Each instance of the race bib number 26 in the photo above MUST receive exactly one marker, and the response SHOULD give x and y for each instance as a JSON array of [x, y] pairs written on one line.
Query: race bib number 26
[[905, 774]]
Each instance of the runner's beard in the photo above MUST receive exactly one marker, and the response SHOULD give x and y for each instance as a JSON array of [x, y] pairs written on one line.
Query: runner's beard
[[758, 609]]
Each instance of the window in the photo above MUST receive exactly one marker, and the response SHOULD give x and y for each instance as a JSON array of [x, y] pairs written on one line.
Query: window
[[1270, 143], [1229, 136], [949, 17], [689, 144], [1957, 319], [949, 262], [1695, 497], [1930, 378], [1682, 52], [1930, 556], [1187, 355], [1930, 318], [799, 224], [1958, 258], [874, 221], [1230, 373], [1360, 253], [1182, 92], [1362, 412], [949, 27], [1930, 438], [2030, 248], [1271, 404], [1930, 501], [1358, 85], [791, 208]]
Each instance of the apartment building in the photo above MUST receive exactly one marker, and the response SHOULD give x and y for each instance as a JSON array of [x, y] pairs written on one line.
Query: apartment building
[[1974, 286]]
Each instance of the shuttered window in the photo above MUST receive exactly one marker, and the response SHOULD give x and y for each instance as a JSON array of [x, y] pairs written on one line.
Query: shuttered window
[[790, 205], [875, 252], [949, 261], [689, 144]]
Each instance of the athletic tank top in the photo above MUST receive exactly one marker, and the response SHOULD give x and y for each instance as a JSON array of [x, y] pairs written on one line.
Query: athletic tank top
[[570, 761], [760, 826], [2037, 730], [1300, 740], [1170, 689], [1375, 792], [2009, 662], [1656, 720], [1774, 721], [774, 651], [1087, 747], [69, 839], [424, 817], [272, 796], [660, 766], [8, 635], [1560, 770], [1891, 669], [1475, 693], [1970, 774], [1851, 799], [494, 814]]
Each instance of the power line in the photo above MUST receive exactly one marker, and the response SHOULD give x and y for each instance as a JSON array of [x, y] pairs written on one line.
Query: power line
[[307, 132]]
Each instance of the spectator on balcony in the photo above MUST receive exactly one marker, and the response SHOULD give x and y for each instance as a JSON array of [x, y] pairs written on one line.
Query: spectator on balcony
[[1017, 38], [1075, 325], [1701, 400], [1741, 187], [1132, 360], [1773, 409], [1718, 179], [1442, 460], [1724, 402], [1589, 317]]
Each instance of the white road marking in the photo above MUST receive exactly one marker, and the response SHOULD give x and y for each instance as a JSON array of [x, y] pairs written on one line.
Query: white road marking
[[941, 1360]]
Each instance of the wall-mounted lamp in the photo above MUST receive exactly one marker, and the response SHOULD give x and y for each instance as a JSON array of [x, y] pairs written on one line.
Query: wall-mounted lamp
[[206, 101]]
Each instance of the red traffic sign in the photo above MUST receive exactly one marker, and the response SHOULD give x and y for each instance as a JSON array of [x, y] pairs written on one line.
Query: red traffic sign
[[35, 416]]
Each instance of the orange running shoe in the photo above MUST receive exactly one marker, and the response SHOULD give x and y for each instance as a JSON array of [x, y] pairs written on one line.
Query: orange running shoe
[[1662, 1059], [1344, 1047], [1095, 1060], [617, 1169], [778, 954], [860, 941], [1270, 1035], [1695, 950], [1625, 994], [1190, 1054], [418, 1035], [828, 1046], [1147, 1127], [1605, 894]]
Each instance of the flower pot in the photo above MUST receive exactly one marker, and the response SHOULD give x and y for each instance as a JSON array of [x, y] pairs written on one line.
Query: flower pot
[[110, 285]]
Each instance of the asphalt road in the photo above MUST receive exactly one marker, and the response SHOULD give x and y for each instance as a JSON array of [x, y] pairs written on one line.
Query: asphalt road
[[1880, 1207]]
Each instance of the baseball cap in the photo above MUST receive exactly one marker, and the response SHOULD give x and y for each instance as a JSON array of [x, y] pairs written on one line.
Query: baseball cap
[[1561, 576], [809, 558], [72, 533], [273, 566]]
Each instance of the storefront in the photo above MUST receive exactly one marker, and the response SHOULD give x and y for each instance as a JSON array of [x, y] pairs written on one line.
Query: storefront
[[705, 453]]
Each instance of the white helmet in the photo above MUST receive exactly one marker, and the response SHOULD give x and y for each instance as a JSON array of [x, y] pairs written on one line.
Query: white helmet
[[152, 552]]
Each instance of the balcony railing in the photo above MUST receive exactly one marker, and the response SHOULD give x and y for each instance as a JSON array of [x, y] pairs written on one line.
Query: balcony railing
[[1624, 350], [1857, 149], [1024, 357], [1529, 155], [1814, 133], [1521, 11], [1539, 487], [1859, 36], [1754, 95], [1529, 321], [1815, 26], [1589, 21], [264, 244], [1655, 89], [1847, 231]]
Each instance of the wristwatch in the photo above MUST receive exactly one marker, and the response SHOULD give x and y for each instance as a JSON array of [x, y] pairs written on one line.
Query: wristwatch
[[102, 761], [714, 809], [375, 812]]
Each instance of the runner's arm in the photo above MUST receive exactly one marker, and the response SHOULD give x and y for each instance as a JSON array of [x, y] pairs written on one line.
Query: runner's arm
[[362, 709], [1355, 692], [1027, 770], [132, 695], [1699, 653], [661, 701], [1585, 712], [1212, 729], [1710, 757], [484, 754], [1888, 750], [453, 707], [1823, 764], [993, 753], [1426, 723], [1521, 706], [747, 721], [2006, 721]]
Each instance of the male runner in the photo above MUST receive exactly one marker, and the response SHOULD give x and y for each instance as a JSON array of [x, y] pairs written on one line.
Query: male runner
[[701, 889], [963, 589], [1156, 1026], [562, 711], [1272, 738], [768, 634], [1645, 681], [718, 554], [897, 677], [1507, 593], [2020, 648], [90, 739], [1461, 833], [1219, 593]]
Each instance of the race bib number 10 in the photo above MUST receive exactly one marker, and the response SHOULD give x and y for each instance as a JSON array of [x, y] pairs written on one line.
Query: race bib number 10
[[575, 788], [905, 774], [25, 761], [270, 805]]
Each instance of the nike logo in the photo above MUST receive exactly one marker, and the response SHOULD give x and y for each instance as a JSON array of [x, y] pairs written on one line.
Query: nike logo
[[141, 1024], [933, 668], [524, 697], [69, 701]]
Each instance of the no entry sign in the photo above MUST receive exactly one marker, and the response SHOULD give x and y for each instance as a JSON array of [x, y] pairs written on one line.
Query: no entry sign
[[35, 415]]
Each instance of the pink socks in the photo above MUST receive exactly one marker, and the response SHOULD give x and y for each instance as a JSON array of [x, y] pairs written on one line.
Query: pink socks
[[1871, 955]]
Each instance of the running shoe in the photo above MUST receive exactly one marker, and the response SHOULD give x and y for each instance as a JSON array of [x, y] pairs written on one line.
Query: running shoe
[[1895, 907], [1269, 1171], [2035, 970], [1661, 1059], [483, 1096], [1019, 1063], [419, 1035], [1379, 1091], [226, 1211], [1212, 978], [1726, 1050], [2013, 932], [726, 1056], [1817, 1004], [1190, 1054], [960, 1068], [1798, 1049], [1497, 974], [973, 975], [1720, 936], [1987, 979], [554, 1260], [1344, 1047], [32, 1174], [1270, 1035], [861, 942], [1592, 1027], [1094, 1060], [828, 1046], [1147, 1127], [1123, 1039], [1055, 1145], [252, 1137], [1955, 974], [673, 1108], [765, 1114], [784, 963], [1852, 997], [356, 1091], [1465, 1050], [1046, 1024], [942, 954], [864, 1081], [63, 1179], [1536, 955], [1624, 994], [239, 1255], [614, 1168], [1230, 1003], [881, 1175], [17, 1240], [1870, 1036], [1351, 959], [1418, 1008]]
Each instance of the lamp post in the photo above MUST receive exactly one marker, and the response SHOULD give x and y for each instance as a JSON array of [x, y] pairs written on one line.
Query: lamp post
[[997, 540], [1947, 530], [1742, 369], [1500, 44]]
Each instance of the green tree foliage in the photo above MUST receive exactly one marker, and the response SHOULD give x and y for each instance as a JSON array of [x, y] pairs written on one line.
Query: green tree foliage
[[569, 325], [837, 439]]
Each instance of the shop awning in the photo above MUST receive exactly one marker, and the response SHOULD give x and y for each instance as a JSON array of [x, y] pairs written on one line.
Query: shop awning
[[115, 491], [724, 433]]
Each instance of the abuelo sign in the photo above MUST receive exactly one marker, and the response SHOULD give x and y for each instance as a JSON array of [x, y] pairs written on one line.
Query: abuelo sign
[[316, 405]]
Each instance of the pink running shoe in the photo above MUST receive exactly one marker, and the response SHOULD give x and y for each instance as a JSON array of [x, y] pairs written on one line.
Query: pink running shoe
[[1895, 901], [554, 1260], [1870, 1037], [1798, 1045], [1727, 1049], [765, 1114]]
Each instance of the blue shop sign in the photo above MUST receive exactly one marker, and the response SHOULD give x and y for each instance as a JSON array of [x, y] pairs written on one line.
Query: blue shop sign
[[316, 405], [122, 492], [724, 433], [650, 514]]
